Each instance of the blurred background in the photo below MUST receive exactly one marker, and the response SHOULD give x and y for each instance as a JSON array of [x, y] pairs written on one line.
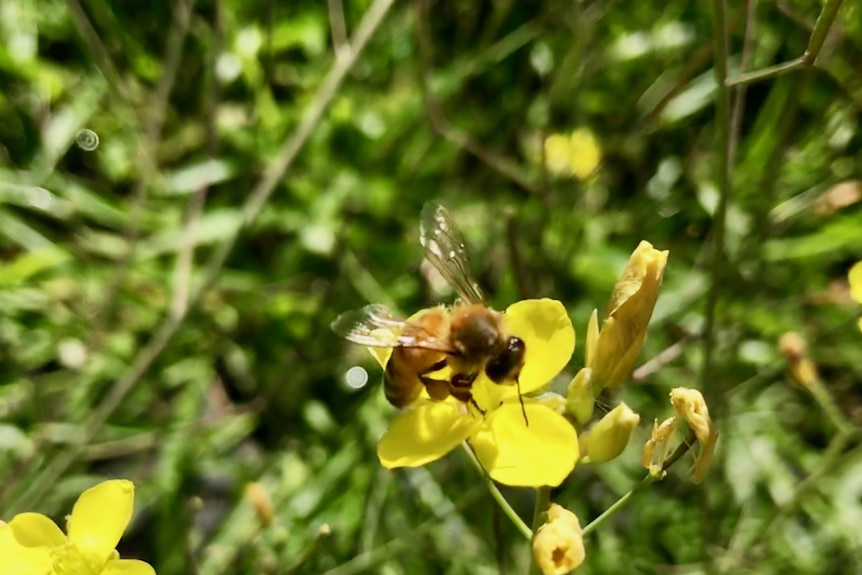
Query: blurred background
[[191, 191]]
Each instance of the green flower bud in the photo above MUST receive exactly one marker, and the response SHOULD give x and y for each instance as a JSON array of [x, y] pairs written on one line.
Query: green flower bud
[[609, 437], [579, 398]]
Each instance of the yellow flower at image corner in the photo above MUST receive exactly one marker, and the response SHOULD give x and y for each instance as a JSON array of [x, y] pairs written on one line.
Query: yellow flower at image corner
[[540, 451], [32, 544], [690, 405], [611, 352], [575, 155], [558, 546], [855, 279]]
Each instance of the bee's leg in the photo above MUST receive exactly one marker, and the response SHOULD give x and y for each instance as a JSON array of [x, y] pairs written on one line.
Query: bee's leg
[[438, 389], [521, 399], [460, 390]]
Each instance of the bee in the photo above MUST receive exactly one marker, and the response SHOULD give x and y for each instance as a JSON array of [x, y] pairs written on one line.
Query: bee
[[468, 338]]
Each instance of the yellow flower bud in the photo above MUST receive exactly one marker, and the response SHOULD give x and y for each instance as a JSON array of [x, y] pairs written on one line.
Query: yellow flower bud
[[258, 496], [609, 437], [621, 337], [690, 405], [558, 546], [579, 398], [657, 447], [800, 368]]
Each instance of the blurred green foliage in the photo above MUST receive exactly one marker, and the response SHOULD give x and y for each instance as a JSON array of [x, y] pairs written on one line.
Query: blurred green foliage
[[106, 243]]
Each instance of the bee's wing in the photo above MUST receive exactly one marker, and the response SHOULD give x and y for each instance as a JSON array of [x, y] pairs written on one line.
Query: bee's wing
[[445, 249], [375, 326]]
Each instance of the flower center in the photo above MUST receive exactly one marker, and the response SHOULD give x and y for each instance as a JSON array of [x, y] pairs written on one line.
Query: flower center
[[68, 560]]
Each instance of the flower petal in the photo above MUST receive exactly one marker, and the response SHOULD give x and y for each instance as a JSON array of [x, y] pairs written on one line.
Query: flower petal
[[855, 279], [514, 453], [424, 434], [21, 560], [127, 567], [36, 530], [100, 516], [548, 335]]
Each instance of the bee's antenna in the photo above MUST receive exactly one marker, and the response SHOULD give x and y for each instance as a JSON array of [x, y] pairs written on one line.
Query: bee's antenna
[[521, 399]]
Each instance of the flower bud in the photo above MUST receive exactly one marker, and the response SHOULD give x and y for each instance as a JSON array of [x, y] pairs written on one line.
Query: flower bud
[[579, 398], [800, 368], [258, 496], [609, 437], [558, 546], [629, 311], [690, 405]]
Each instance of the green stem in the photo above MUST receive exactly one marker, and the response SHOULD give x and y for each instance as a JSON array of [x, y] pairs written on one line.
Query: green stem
[[821, 30], [543, 501], [722, 140], [499, 497], [619, 504], [815, 44], [827, 404]]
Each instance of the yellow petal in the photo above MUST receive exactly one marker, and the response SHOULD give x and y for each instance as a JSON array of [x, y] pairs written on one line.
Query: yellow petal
[[592, 339], [424, 434], [855, 278], [514, 453], [127, 567], [36, 530], [585, 153], [558, 154], [548, 336], [100, 516], [19, 560]]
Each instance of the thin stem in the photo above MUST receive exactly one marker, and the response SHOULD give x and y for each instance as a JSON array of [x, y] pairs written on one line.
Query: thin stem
[[543, 501], [827, 404], [619, 504], [766, 73], [821, 30], [649, 479], [499, 497], [815, 44], [722, 124]]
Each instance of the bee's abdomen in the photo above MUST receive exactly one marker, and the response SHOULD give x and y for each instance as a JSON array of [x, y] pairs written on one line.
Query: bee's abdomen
[[401, 385]]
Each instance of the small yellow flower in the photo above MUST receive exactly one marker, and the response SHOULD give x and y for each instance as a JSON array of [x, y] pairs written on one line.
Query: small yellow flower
[[31, 544], [855, 279], [690, 405], [657, 447], [541, 451], [612, 351], [558, 546], [609, 436], [575, 155]]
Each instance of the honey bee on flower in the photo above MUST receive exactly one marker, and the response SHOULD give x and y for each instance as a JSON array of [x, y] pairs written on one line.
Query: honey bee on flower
[[475, 366], [469, 338]]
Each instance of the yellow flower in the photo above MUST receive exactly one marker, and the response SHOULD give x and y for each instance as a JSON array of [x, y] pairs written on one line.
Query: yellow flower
[[855, 279], [612, 352], [31, 544], [609, 436], [558, 546], [575, 155], [690, 405], [540, 451]]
